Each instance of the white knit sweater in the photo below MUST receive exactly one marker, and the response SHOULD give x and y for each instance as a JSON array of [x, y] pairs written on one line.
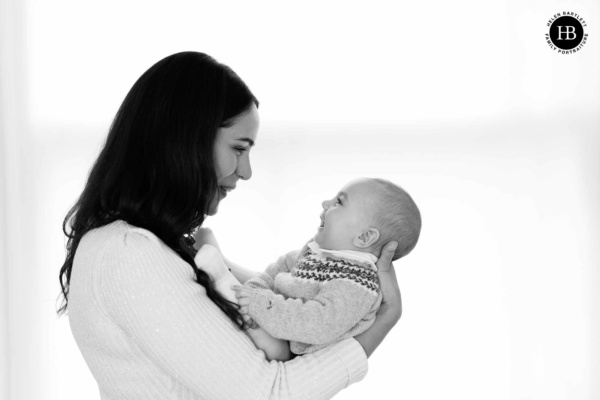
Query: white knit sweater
[[147, 330]]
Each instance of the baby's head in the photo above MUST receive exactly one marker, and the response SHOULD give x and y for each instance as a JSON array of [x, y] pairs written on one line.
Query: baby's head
[[368, 213]]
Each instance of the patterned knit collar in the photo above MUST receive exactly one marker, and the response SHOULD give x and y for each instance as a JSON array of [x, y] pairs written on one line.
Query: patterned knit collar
[[357, 255]]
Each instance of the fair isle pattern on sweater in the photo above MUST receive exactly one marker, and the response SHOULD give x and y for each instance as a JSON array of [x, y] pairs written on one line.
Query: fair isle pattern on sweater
[[322, 267], [316, 297]]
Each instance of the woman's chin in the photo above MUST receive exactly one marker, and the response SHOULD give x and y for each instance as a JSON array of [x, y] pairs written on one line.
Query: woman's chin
[[214, 205], [213, 209]]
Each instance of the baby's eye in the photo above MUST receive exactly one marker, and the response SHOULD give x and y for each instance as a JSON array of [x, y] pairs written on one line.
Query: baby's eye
[[338, 201]]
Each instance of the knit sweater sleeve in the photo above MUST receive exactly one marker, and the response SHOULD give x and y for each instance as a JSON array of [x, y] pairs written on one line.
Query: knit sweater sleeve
[[148, 291], [266, 279], [339, 305]]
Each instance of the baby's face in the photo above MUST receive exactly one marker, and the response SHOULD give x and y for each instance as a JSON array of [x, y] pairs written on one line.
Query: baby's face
[[345, 216]]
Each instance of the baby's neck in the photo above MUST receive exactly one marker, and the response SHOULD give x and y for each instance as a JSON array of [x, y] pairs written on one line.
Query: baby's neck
[[373, 250]]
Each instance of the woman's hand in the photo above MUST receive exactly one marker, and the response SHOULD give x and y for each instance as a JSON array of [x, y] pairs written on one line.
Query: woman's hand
[[390, 310], [243, 295], [205, 236], [391, 304]]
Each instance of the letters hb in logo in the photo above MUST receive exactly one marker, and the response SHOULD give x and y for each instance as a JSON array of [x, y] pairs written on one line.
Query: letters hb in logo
[[566, 33], [569, 31]]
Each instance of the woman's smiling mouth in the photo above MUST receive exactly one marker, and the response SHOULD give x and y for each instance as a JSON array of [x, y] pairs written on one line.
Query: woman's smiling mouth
[[224, 190]]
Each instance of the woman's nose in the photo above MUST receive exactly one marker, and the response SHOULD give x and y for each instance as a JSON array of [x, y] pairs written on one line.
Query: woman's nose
[[244, 169]]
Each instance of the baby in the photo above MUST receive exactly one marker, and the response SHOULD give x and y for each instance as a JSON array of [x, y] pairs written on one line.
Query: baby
[[329, 290]]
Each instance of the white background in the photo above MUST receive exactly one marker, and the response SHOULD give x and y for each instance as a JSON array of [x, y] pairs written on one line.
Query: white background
[[496, 136]]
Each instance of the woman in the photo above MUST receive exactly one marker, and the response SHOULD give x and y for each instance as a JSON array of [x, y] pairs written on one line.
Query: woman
[[148, 322]]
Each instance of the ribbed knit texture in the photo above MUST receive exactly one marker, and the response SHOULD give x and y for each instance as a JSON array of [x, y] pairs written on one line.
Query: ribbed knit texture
[[314, 297], [147, 330]]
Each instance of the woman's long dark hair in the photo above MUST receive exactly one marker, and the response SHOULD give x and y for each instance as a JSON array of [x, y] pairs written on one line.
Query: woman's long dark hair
[[156, 170]]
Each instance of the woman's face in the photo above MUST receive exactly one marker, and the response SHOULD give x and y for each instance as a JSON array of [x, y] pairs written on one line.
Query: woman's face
[[232, 154]]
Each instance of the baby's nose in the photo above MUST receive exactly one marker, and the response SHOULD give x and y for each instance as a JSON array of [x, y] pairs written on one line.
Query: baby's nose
[[325, 204]]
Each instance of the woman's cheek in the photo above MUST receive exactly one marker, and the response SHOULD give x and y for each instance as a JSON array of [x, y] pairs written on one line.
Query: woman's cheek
[[224, 166]]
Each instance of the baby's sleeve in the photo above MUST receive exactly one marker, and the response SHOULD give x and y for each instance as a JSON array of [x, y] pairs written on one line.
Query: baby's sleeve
[[266, 280], [338, 307]]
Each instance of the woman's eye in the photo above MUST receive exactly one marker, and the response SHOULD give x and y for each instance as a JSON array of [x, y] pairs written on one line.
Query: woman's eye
[[239, 150]]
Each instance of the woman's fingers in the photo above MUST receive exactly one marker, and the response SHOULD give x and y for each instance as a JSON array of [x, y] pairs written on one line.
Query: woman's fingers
[[205, 236], [237, 288], [250, 323], [241, 291], [243, 296], [391, 305], [390, 309], [387, 253]]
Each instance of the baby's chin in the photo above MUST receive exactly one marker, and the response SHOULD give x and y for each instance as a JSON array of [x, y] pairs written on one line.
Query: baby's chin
[[317, 239], [320, 240], [328, 245]]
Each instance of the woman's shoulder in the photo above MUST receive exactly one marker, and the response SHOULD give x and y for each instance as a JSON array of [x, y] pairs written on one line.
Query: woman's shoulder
[[122, 241], [119, 233], [119, 250]]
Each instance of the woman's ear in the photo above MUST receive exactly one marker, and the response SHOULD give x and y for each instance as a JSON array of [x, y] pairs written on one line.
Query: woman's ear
[[366, 239]]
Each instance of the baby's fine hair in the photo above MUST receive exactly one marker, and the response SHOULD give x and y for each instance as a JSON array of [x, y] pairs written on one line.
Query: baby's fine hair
[[397, 216]]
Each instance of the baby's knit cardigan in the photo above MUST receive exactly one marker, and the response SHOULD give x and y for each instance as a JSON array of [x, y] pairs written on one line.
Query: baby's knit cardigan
[[316, 297]]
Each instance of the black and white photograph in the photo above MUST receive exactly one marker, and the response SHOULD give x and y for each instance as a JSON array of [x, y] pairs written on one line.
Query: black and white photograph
[[206, 200]]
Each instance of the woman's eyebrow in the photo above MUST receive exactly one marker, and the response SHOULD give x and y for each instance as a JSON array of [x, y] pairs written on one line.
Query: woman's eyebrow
[[247, 140]]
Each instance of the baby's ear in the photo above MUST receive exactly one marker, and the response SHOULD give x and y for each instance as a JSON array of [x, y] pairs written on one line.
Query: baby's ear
[[366, 239]]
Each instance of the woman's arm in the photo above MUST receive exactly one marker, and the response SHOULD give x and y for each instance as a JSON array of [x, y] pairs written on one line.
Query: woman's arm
[[211, 261], [390, 310], [151, 294], [286, 318], [241, 274]]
